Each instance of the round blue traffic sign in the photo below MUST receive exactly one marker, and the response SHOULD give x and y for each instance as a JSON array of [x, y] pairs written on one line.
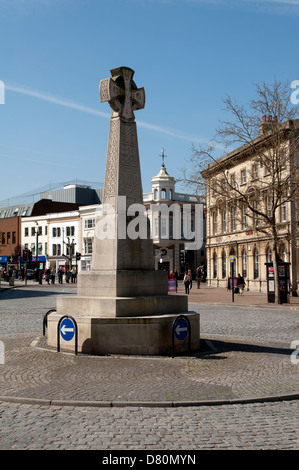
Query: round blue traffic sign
[[67, 329], [181, 328]]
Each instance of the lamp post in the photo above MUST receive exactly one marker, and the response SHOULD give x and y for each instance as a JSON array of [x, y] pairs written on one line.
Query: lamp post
[[36, 254]]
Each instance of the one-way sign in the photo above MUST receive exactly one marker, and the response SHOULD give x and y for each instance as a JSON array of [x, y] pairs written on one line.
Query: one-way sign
[[181, 328], [67, 329]]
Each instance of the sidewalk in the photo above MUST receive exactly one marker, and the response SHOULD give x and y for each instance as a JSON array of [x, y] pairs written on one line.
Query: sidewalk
[[4, 286], [204, 295], [220, 295]]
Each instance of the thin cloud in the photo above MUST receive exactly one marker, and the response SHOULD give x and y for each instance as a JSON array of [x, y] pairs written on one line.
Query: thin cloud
[[279, 5], [32, 160], [52, 99], [85, 109]]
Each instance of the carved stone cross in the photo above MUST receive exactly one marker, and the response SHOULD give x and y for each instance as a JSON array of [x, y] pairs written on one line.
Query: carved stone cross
[[121, 93]]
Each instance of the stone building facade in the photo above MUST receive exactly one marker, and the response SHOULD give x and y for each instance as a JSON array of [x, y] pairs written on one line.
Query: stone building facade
[[171, 248], [233, 238]]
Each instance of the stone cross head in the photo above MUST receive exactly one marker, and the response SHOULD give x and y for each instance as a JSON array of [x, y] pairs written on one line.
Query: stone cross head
[[121, 93]]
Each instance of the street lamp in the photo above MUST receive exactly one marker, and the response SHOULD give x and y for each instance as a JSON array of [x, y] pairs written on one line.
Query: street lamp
[[36, 253]]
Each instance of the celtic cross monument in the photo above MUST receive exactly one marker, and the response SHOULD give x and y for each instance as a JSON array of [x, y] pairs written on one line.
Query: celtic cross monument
[[122, 304]]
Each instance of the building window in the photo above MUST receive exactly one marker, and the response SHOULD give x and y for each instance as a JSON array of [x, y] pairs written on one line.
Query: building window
[[244, 263], [244, 219], [89, 223], [233, 182], [8, 237], [156, 194], [171, 227], [255, 172], [255, 215], [256, 264], [56, 250], [40, 248], [32, 248], [14, 237], [70, 231], [164, 227], [214, 265], [214, 215], [243, 176], [269, 255], [156, 227], [88, 246], [3, 238], [26, 233], [70, 250], [283, 209], [54, 232], [283, 253], [224, 227], [32, 231], [233, 219], [223, 260]]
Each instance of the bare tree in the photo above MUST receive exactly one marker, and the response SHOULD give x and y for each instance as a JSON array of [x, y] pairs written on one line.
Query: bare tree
[[272, 144]]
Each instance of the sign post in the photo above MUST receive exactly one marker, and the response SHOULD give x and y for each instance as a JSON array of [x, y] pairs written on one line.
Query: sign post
[[181, 329], [67, 328], [232, 261]]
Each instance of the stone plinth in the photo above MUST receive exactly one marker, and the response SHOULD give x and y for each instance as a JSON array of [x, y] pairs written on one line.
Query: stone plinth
[[150, 335]]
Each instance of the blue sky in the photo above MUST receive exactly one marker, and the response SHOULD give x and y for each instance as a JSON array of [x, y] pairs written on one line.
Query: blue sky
[[187, 54]]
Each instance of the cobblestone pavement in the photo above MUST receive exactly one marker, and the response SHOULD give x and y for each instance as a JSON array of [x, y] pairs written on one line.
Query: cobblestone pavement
[[240, 391]]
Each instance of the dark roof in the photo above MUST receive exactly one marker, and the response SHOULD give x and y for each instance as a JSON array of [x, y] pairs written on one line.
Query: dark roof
[[47, 206]]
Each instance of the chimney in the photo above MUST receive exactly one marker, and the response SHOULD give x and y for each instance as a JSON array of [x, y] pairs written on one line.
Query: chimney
[[264, 118]]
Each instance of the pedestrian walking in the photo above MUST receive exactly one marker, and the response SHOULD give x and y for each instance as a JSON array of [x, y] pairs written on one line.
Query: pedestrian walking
[[48, 275], [53, 273], [73, 274], [176, 276], [60, 273], [240, 284], [198, 277], [187, 283]]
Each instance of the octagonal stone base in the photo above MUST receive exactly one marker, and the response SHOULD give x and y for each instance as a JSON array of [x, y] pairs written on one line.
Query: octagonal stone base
[[146, 335]]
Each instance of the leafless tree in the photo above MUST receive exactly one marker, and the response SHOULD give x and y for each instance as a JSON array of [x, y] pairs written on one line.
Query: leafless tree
[[272, 143]]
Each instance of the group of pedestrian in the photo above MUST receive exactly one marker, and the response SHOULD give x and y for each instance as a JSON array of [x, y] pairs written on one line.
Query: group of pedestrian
[[50, 275], [70, 275]]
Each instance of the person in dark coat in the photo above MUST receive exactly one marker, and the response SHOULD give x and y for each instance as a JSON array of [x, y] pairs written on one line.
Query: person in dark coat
[[240, 284]]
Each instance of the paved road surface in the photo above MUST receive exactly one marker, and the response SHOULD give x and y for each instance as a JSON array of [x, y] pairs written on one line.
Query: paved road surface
[[158, 403]]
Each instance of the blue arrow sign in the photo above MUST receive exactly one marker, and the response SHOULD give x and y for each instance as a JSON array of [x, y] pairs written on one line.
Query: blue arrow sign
[[67, 329], [181, 329]]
